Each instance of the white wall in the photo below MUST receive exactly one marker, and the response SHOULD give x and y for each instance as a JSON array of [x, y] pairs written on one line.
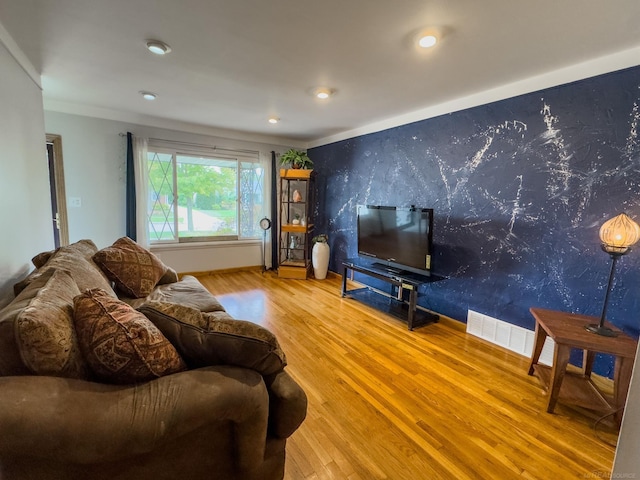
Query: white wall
[[94, 172], [212, 256], [24, 173], [94, 155]]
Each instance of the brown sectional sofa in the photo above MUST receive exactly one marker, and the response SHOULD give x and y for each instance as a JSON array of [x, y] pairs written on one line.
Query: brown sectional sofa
[[97, 384]]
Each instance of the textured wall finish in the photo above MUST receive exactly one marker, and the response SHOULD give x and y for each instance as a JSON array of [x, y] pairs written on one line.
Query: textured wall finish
[[519, 187]]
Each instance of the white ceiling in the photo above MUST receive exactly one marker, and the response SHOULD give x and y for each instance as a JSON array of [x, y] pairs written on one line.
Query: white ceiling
[[236, 62]]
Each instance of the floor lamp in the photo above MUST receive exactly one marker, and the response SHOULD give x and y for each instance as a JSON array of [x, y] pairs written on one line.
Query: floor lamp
[[617, 235]]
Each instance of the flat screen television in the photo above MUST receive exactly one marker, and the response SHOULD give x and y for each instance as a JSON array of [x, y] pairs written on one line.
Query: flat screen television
[[399, 239]]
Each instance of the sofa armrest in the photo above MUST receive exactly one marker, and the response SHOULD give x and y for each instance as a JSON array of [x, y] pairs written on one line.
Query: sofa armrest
[[287, 404], [84, 422]]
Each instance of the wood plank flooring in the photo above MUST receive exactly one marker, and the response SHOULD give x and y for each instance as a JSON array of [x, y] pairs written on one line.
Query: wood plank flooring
[[387, 403]]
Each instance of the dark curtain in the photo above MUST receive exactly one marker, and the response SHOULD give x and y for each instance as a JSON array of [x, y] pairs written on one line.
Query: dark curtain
[[131, 190], [275, 225]]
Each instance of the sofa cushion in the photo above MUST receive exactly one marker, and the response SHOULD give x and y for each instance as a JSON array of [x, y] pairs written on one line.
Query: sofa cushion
[[120, 344], [188, 292], [75, 259], [216, 338], [45, 333], [134, 269]]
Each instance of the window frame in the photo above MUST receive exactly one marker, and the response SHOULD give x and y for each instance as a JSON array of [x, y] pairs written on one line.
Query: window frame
[[239, 157]]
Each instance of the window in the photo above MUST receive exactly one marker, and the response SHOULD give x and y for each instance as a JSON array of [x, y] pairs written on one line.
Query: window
[[203, 197]]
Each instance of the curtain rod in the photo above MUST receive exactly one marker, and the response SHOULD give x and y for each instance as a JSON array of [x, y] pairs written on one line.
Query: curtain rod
[[202, 145], [199, 145]]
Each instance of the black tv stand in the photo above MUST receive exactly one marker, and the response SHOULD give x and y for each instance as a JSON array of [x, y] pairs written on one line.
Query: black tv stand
[[387, 268], [394, 305]]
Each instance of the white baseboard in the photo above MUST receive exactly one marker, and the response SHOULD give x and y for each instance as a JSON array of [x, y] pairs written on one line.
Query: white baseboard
[[512, 337]]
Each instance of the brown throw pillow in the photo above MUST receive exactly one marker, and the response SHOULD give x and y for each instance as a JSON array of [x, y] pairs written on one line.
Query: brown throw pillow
[[42, 258], [45, 332], [134, 269], [120, 344], [216, 338], [170, 276]]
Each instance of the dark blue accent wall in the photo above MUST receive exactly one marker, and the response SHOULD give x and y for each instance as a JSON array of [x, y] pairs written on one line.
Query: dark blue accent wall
[[520, 188]]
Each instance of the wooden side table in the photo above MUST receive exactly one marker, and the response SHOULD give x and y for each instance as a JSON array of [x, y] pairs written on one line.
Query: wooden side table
[[567, 330]]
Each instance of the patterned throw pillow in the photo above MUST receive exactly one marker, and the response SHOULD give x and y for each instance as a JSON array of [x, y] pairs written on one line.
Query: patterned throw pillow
[[216, 338], [45, 333], [120, 344], [134, 269]]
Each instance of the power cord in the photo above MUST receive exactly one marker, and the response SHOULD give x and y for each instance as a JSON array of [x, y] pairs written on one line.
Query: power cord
[[598, 421]]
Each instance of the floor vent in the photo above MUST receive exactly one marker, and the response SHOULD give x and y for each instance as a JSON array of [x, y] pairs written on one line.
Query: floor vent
[[512, 337]]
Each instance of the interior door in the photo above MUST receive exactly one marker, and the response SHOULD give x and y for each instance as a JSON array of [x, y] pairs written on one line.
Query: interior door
[[55, 216], [57, 191]]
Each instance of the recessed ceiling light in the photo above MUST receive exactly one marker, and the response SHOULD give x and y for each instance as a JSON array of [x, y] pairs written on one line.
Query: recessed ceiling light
[[428, 41], [273, 120], [323, 93], [158, 47], [428, 37], [148, 95]]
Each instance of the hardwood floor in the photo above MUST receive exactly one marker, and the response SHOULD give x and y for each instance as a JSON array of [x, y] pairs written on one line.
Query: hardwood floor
[[387, 403]]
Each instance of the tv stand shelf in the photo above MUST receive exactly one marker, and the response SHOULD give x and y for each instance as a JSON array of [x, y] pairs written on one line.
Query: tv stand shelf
[[393, 305]]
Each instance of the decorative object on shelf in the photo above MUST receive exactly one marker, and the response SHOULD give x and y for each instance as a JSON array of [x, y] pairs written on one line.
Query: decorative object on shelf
[[320, 256], [617, 234], [296, 219], [297, 197], [303, 221], [296, 158], [293, 245]]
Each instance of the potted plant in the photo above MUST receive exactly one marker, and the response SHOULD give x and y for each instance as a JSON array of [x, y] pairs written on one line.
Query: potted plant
[[296, 158], [322, 238], [320, 256]]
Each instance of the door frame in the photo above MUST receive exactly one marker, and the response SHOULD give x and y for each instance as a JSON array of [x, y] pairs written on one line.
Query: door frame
[[58, 189]]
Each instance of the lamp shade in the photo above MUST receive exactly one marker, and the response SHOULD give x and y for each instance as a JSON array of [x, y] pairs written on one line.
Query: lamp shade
[[619, 233]]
